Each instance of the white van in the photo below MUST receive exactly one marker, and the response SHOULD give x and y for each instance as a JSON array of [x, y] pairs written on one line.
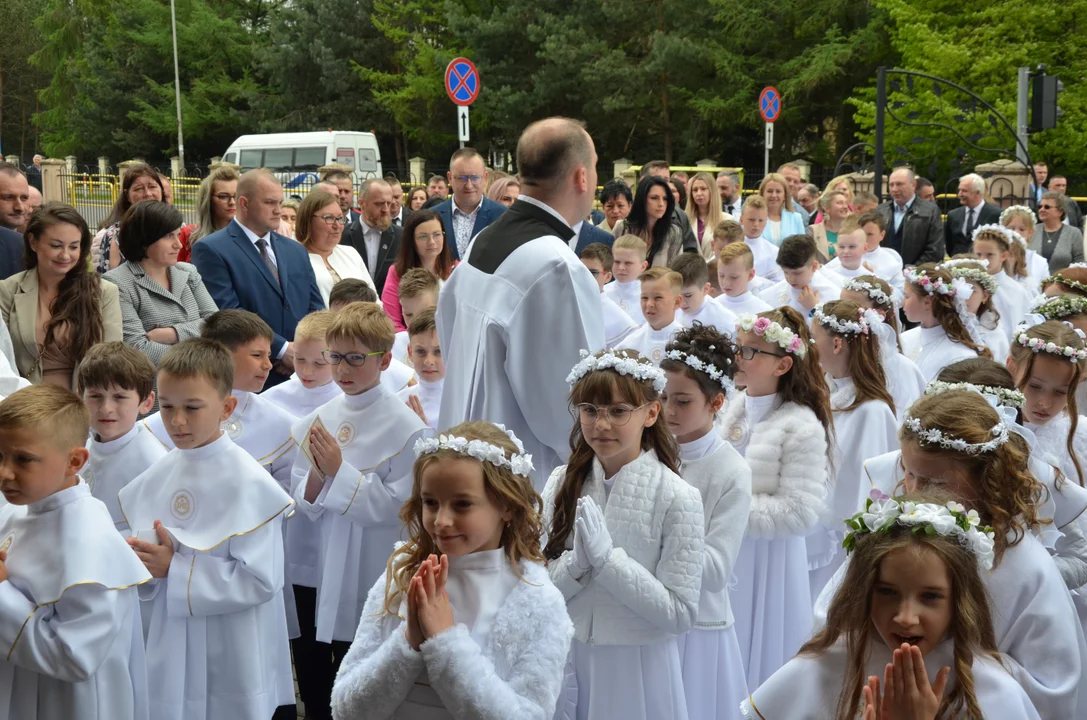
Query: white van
[[295, 157]]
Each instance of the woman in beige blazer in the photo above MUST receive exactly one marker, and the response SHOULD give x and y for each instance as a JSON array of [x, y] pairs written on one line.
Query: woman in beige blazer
[[58, 307]]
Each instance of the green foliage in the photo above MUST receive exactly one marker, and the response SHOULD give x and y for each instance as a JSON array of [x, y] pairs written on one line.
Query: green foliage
[[19, 81]]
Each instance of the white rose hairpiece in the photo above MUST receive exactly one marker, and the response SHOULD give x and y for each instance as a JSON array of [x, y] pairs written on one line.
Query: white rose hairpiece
[[1019, 208], [518, 463], [874, 292], [933, 436], [608, 360], [966, 268], [1008, 234], [866, 320], [950, 520], [1007, 397], [710, 369], [1038, 345], [1078, 265], [773, 332]]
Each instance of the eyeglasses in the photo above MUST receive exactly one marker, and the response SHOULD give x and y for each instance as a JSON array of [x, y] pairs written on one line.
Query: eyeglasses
[[748, 353], [473, 179], [334, 220], [423, 237], [618, 415], [355, 360], [225, 197]]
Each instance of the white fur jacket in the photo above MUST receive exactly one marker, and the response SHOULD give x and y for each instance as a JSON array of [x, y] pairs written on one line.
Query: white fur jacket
[[787, 454], [516, 674], [648, 590]]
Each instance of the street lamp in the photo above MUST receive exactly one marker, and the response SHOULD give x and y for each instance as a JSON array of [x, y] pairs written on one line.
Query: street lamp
[[177, 88]]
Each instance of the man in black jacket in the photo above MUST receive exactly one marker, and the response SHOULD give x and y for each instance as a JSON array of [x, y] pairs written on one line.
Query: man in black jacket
[[373, 234], [1074, 216], [914, 228], [973, 212]]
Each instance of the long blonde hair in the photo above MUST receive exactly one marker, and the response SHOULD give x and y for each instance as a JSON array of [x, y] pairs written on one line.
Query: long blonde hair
[[779, 179], [714, 214], [204, 219], [520, 537]]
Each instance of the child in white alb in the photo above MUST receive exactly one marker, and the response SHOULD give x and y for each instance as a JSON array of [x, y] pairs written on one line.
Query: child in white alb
[[311, 385], [425, 397], [465, 623], [753, 219], [630, 253], [69, 609], [947, 330], [736, 275], [418, 291], [660, 301], [886, 264], [117, 384], [804, 285], [699, 364], [848, 259], [598, 258], [695, 303], [993, 244]]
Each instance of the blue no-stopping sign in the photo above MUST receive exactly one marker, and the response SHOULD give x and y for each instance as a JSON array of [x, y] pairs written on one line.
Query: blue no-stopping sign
[[770, 104]]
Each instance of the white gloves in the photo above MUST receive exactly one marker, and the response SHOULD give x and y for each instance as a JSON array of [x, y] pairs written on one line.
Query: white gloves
[[581, 560], [591, 533]]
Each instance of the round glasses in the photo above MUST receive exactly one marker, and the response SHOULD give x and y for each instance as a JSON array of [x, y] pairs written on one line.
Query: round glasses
[[355, 360], [617, 415], [334, 220]]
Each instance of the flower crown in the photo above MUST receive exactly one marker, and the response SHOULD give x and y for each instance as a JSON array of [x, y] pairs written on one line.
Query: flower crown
[[1009, 235], [950, 520], [1062, 306], [966, 268], [1007, 397], [1038, 345], [710, 369], [772, 332], [631, 367], [1020, 208], [518, 463], [933, 436], [1058, 278], [930, 286], [866, 320], [874, 292], [1077, 265]]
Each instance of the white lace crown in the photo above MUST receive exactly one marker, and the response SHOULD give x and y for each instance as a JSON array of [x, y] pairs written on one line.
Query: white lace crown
[[866, 320], [518, 463], [881, 513], [875, 292], [934, 436], [608, 360], [967, 268], [773, 332], [710, 369], [1008, 397], [1008, 234]]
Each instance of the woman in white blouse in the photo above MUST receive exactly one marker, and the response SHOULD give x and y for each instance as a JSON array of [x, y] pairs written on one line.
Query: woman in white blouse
[[319, 227]]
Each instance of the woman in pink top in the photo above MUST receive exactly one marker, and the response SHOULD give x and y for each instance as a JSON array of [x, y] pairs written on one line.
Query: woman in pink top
[[422, 245]]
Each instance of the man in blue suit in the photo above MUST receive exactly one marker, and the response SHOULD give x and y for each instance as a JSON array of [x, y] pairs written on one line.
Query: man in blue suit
[[248, 265], [589, 234], [467, 212]]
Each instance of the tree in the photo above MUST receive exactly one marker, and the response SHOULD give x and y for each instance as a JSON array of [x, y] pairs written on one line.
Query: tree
[[19, 81]]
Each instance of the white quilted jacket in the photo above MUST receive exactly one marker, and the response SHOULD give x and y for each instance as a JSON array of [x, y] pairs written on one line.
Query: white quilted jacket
[[648, 590], [787, 454]]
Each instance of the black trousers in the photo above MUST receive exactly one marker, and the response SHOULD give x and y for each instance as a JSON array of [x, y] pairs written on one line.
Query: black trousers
[[315, 663]]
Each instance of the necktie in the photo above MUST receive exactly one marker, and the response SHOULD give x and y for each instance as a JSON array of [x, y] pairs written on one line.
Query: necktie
[[728, 209], [262, 245], [970, 224]]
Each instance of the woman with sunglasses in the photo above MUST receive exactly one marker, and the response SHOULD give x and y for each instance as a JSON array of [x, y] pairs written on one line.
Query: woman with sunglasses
[[319, 227], [1060, 244], [423, 245]]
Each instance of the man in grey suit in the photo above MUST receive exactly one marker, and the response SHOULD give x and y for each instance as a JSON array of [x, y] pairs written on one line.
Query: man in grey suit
[[973, 212], [373, 234], [914, 227]]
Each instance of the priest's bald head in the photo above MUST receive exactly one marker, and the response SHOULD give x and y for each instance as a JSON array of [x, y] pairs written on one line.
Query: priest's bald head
[[556, 161]]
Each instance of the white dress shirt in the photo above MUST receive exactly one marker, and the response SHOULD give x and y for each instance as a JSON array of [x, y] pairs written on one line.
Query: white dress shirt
[[900, 211], [372, 238], [254, 238]]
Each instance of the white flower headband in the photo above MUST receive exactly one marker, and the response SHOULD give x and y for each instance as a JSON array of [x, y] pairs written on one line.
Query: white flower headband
[[1077, 265], [772, 332], [631, 367], [518, 463], [709, 368], [1019, 208], [950, 520], [874, 292], [933, 436], [1007, 397], [1062, 306], [967, 269], [927, 284], [1010, 235], [866, 320], [1038, 345]]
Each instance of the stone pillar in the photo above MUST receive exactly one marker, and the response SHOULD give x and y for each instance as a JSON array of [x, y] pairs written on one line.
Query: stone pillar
[[805, 169], [620, 168], [706, 163], [13, 159], [53, 185], [176, 169], [70, 161], [103, 165], [1007, 182], [215, 161], [123, 167], [417, 171]]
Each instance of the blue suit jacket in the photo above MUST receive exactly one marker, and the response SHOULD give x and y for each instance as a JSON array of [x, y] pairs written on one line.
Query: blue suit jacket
[[490, 212], [792, 223], [590, 234], [236, 277], [11, 253]]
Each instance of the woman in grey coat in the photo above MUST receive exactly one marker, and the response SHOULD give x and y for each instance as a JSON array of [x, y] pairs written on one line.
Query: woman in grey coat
[[1060, 244], [163, 301]]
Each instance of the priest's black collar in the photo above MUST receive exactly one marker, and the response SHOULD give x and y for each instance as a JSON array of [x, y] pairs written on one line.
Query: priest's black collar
[[520, 225]]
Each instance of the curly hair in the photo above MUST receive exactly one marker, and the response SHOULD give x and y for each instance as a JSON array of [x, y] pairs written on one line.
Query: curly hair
[[943, 310], [708, 345]]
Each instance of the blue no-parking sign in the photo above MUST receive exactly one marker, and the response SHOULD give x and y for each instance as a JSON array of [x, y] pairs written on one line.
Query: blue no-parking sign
[[462, 81], [770, 104]]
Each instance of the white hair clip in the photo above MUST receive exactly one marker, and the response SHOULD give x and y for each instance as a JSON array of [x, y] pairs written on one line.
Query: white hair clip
[[608, 360]]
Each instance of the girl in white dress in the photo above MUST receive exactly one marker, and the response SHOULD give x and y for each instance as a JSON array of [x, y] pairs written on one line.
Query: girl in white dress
[[1027, 267], [699, 364], [864, 421], [948, 330], [911, 619], [904, 379], [982, 304], [465, 623], [624, 543], [1069, 309], [782, 424], [993, 244]]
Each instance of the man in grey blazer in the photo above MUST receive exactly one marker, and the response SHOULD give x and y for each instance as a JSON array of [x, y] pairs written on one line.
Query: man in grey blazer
[[914, 227]]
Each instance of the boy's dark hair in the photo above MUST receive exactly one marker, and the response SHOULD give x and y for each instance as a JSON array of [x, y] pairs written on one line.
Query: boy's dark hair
[[873, 217], [424, 321], [235, 328], [351, 290], [201, 357], [692, 268], [599, 252], [797, 251], [114, 363]]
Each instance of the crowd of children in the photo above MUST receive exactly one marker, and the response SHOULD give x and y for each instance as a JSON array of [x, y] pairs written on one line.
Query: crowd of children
[[775, 505]]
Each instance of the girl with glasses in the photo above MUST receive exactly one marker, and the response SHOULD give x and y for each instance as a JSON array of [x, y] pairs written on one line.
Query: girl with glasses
[[624, 544], [782, 424]]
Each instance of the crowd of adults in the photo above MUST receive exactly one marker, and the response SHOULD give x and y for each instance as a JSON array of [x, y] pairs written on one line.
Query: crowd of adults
[[149, 278]]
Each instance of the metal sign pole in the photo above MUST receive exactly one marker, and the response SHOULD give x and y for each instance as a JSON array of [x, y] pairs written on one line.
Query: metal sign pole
[[769, 143]]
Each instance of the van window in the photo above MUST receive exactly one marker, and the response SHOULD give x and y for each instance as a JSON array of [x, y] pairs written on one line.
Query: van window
[[367, 161], [309, 158], [229, 157], [279, 159], [250, 159]]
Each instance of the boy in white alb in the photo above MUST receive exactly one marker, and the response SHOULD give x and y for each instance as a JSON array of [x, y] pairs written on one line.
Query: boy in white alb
[[598, 258], [660, 301], [399, 375], [629, 253], [207, 522], [886, 264], [425, 397], [69, 609], [353, 473], [418, 291], [311, 385], [804, 286], [117, 384], [848, 261], [753, 219], [735, 271], [695, 304]]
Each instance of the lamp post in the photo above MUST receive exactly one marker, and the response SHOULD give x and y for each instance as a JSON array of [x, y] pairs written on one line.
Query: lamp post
[[177, 87]]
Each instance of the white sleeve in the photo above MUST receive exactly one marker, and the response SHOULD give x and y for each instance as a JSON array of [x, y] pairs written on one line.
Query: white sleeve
[[564, 572], [725, 530], [282, 468], [1071, 555], [668, 595], [251, 574], [380, 667], [67, 640], [374, 496]]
